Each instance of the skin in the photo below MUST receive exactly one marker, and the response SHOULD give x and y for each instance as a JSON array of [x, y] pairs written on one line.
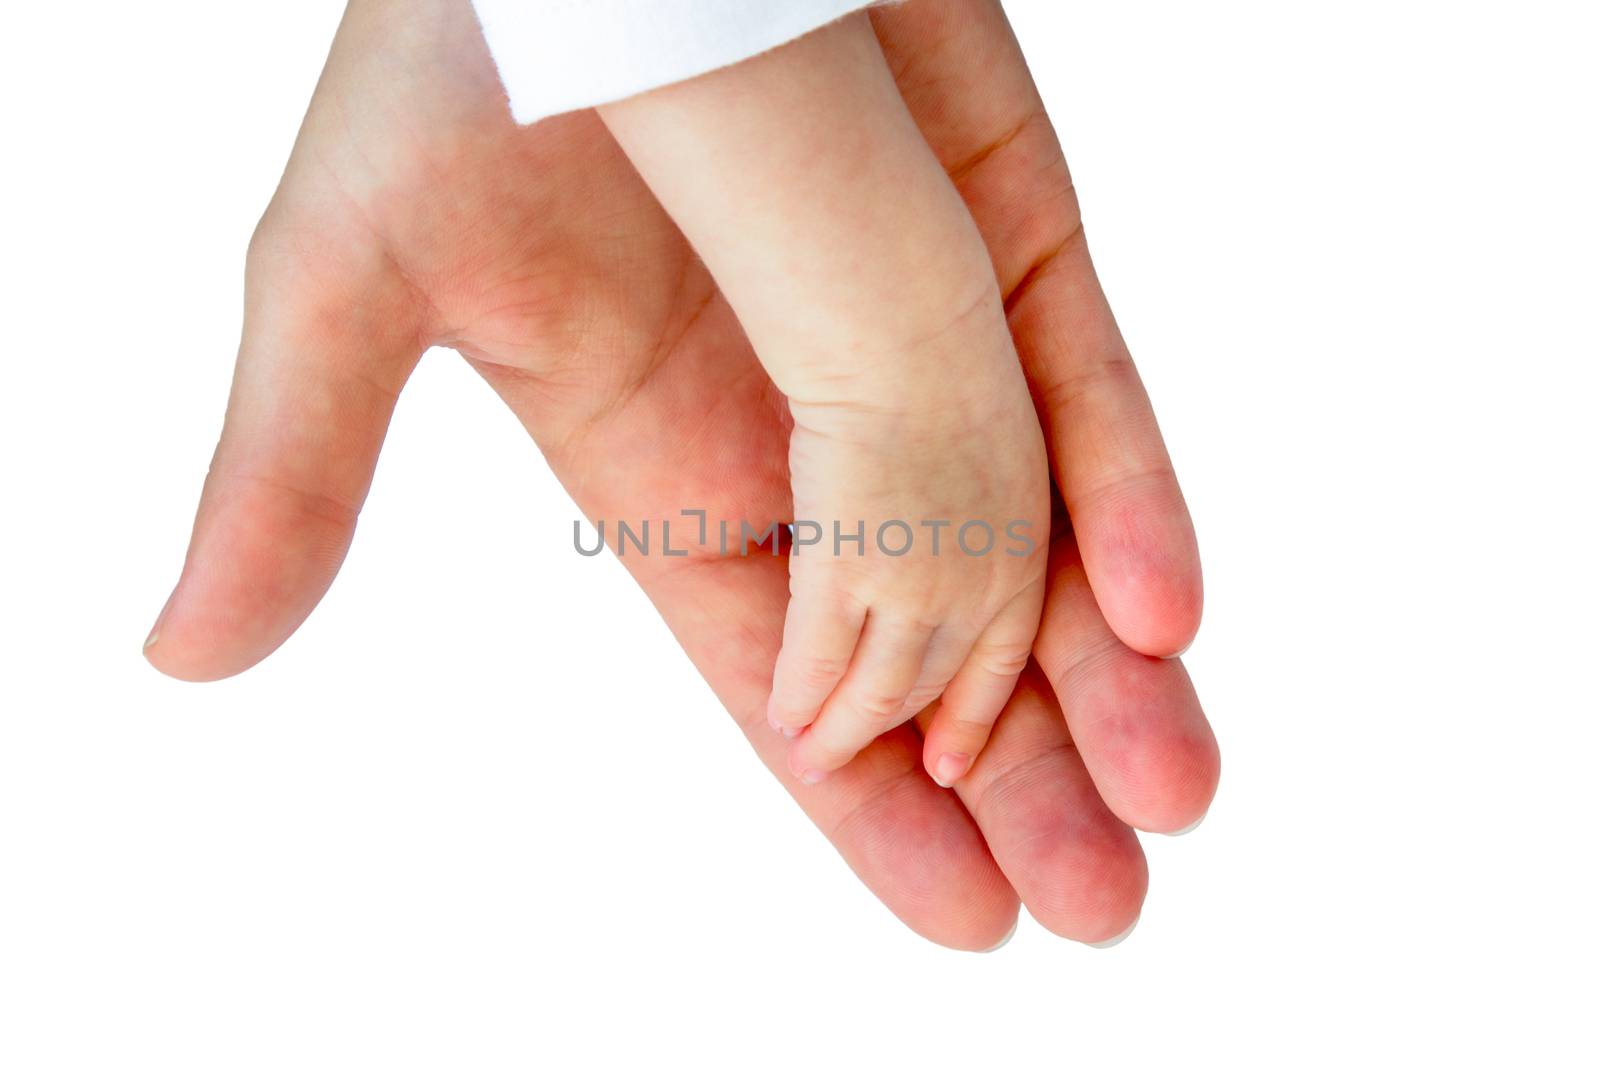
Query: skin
[[413, 213], [907, 400]]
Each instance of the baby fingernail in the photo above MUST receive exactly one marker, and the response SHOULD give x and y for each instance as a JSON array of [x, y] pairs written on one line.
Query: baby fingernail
[[813, 777], [951, 766], [787, 731], [790, 732]]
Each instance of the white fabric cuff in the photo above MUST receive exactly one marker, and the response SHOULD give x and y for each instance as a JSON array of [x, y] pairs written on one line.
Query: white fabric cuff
[[562, 55]]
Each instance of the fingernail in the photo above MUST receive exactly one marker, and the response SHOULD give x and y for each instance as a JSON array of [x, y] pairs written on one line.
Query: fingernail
[[155, 628], [1112, 941], [1188, 829], [951, 766], [1181, 651], [813, 777], [1004, 941], [787, 731]]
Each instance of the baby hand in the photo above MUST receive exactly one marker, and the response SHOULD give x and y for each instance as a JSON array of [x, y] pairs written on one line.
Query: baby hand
[[926, 577], [867, 292]]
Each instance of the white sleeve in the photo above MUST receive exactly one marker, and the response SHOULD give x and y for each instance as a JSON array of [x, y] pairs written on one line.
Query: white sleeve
[[562, 55]]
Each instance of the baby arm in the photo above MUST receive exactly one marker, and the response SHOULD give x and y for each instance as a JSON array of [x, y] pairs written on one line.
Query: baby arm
[[867, 293]]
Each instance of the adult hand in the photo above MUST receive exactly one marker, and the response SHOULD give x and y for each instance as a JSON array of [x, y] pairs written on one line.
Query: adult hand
[[414, 213]]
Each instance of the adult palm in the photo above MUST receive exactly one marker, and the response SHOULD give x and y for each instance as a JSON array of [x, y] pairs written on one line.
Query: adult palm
[[414, 213]]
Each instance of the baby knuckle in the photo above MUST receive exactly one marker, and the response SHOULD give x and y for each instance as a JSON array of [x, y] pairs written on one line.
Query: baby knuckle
[[1005, 662], [880, 709], [818, 671], [966, 732], [969, 718]]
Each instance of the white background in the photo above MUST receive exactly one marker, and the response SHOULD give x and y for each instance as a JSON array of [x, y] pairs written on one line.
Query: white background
[[481, 811]]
